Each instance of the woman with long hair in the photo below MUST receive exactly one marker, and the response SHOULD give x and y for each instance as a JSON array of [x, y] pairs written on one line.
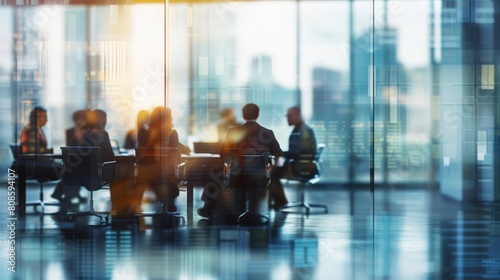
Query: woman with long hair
[[32, 136], [160, 141], [131, 140]]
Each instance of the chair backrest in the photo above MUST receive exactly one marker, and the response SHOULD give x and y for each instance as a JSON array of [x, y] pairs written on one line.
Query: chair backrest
[[319, 152], [307, 168], [248, 171], [157, 162], [15, 149], [82, 167], [115, 146]]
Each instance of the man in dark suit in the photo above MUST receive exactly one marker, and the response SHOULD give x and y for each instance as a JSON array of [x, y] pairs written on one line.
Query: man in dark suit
[[95, 134], [248, 139], [302, 141]]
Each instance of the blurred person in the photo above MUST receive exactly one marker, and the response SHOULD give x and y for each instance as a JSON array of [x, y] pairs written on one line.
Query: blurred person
[[161, 134], [75, 134], [301, 141], [228, 119], [131, 139], [95, 134], [33, 141], [245, 139]]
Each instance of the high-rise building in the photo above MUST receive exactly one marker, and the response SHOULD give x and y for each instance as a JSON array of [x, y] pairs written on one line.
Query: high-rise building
[[467, 135]]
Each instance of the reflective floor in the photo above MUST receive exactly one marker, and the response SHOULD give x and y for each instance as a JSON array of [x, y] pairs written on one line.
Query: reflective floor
[[403, 234]]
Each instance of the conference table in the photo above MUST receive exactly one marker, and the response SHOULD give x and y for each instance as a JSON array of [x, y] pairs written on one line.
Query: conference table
[[198, 172]]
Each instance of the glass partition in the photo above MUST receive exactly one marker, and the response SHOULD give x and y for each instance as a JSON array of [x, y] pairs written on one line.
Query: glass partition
[[342, 63], [403, 94]]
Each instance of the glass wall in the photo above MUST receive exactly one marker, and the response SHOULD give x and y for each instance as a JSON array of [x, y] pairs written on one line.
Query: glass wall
[[402, 93], [413, 100]]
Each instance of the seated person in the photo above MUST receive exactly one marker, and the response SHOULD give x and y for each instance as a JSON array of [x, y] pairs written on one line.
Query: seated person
[[302, 141], [33, 141], [32, 136], [133, 134], [74, 135], [249, 138], [94, 135], [228, 120], [161, 134]]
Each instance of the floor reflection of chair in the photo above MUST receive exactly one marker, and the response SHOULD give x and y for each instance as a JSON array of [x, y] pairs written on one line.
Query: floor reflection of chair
[[82, 166], [251, 175], [306, 171], [160, 168], [42, 170]]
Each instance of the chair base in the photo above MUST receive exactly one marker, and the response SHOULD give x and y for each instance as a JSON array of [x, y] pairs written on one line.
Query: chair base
[[164, 220], [248, 218], [42, 204], [304, 205], [103, 219], [168, 220]]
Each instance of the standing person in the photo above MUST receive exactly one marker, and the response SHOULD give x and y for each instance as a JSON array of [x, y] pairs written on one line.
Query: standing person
[[141, 127], [302, 141], [249, 138], [228, 119], [161, 134]]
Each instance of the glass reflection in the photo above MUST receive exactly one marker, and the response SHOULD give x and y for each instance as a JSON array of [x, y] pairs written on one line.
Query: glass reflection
[[403, 89]]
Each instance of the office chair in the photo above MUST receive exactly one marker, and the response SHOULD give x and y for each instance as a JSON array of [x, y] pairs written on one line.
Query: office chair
[[250, 174], [306, 171], [82, 166], [160, 169], [36, 170]]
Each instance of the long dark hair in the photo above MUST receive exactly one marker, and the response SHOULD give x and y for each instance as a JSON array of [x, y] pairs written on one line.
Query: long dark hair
[[160, 125], [161, 119], [34, 114]]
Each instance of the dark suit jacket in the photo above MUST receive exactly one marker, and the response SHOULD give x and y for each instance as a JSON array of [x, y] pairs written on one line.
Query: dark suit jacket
[[249, 138]]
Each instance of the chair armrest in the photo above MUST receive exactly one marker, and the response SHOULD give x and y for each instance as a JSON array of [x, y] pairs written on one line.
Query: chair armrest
[[107, 165], [226, 173], [180, 171], [62, 170], [107, 172]]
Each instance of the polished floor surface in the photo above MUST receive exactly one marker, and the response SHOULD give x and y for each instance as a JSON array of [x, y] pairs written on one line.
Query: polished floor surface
[[393, 234]]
